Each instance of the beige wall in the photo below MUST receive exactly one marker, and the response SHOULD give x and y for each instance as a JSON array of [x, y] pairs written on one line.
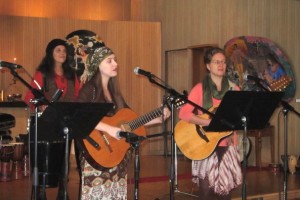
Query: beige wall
[[196, 22]]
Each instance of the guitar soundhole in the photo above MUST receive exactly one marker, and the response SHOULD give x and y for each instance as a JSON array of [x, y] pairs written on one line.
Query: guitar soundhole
[[201, 133]]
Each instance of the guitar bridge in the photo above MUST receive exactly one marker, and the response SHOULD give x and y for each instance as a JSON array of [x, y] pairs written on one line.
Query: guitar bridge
[[107, 144]]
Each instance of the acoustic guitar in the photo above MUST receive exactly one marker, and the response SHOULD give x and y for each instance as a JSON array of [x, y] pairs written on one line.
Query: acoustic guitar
[[194, 142], [112, 151]]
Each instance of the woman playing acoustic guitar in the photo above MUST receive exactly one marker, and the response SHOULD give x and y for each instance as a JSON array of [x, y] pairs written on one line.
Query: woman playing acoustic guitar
[[220, 172], [102, 180]]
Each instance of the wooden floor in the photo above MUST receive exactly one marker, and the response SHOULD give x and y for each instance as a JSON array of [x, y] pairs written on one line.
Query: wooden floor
[[154, 183]]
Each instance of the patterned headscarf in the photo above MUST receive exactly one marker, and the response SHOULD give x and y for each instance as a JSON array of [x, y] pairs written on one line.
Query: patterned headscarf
[[80, 44], [93, 61]]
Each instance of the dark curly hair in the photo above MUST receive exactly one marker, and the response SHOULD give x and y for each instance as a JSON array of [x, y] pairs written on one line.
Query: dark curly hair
[[46, 67]]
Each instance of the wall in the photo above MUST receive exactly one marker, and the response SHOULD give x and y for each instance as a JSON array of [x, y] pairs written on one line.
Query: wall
[[196, 22], [69, 9], [25, 39]]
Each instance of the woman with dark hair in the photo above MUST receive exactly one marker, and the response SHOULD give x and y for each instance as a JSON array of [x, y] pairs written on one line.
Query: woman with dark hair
[[53, 73], [220, 172], [98, 182]]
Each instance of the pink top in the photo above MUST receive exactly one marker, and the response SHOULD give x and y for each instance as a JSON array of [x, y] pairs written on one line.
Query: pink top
[[186, 112], [60, 81]]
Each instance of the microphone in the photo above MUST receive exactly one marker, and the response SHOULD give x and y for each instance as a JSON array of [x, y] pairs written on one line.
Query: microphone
[[138, 70], [258, 81], [130, 137], [123, 134], [252, 78], [11, 66], [57, 95]]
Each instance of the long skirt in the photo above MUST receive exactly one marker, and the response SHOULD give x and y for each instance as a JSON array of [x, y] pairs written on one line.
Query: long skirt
[[222, 170], [107, 183]]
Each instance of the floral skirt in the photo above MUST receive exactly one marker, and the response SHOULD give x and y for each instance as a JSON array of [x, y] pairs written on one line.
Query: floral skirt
[[107, 183]]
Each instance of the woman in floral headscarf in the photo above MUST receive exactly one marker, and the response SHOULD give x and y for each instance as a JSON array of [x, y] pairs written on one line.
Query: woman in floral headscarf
[[101, 86]]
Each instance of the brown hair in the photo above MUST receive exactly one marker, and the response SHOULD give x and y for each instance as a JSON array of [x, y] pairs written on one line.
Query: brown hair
[[92, 91], [211, 52]]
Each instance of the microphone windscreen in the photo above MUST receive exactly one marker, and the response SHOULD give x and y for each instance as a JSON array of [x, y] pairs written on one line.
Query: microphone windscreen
[[136, 70]]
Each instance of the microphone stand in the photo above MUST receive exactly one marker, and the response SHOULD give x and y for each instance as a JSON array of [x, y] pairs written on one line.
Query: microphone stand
[[39, 99], [286, 107], [135, 141], [175, 97], [63, 184]]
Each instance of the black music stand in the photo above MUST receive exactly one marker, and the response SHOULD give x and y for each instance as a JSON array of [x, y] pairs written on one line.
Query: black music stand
[[243, 110], [70, 120]]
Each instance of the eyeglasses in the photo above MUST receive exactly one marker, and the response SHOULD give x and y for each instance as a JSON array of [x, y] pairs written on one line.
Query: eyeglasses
[[218, 62]]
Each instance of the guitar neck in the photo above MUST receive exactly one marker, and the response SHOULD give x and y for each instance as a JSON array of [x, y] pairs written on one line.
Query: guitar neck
[[144, 119]]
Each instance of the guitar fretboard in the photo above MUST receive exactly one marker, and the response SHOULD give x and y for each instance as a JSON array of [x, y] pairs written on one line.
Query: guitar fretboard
[[134, 124]]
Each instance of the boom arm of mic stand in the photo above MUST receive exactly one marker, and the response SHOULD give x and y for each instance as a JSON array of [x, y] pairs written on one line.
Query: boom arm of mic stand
[[287, 106], [182, 97], [158, 134], [36, 93]]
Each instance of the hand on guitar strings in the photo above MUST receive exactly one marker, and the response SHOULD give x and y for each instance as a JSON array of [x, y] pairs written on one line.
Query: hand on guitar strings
[[111, 130]]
